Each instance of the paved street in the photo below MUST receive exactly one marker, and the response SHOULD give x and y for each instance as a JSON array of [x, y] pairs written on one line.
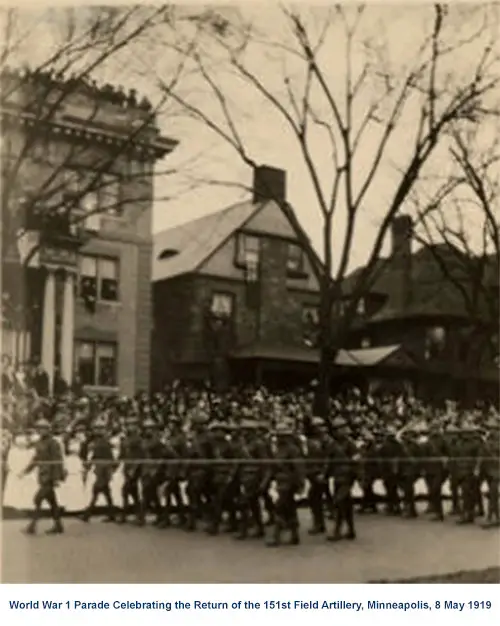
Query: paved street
[[100, 553]]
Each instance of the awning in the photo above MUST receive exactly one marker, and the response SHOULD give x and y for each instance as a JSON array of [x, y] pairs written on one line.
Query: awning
[[391, 356]]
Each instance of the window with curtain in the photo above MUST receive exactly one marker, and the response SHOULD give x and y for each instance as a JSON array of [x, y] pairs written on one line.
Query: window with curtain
[[222, 305], [108, 279], [88, 278], [110, 194], [295, 259], [85, 357], [248, 250], [96, 363], [106, 365]]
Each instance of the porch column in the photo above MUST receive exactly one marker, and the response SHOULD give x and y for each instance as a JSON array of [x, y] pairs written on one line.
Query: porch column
[[49, 326], [68, 328]]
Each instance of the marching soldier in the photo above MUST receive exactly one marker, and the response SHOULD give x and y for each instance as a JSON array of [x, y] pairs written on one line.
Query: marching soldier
[[175, 450], [223, 478], [316, 473], [409, 470], [370, 471], [491, 471], [390, 454], [152, 471], [436, 451], [341, 453], [197, 472], [6, 445], [100, 458], [289, 476], [264, 436], [48, 460], [131, 454], [468, 458], [252, 475]]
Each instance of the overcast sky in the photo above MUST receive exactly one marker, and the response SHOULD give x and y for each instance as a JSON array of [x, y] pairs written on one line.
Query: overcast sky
[[395, 30]]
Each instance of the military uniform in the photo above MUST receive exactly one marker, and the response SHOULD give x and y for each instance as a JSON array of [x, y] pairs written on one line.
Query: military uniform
[[316, 474], [197, 472], [131, 455], [252, 478], [6, 445], [390, 454], [409, 471], [490, 468], [288, 474], [468, 457], [223, 478], [436, 451], [369, 472], [48, 460], [174, 451], [99, 457], [341, 453], [152, 470]]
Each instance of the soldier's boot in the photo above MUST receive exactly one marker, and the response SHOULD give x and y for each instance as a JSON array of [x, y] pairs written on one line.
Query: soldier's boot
[[31, 527], [86, 515], [294, 536], [336, 535], [56, 529], [276, 536], [243, 531], [318, 527], [258, 533]]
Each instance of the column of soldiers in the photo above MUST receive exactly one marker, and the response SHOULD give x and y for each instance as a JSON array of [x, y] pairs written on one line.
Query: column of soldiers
[[218, 475]]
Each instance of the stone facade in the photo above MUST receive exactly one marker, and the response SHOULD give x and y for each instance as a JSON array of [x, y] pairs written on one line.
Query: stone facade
[[85, 141]]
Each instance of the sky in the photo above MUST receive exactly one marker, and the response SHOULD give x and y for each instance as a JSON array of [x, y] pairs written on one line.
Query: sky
[[388, 36]]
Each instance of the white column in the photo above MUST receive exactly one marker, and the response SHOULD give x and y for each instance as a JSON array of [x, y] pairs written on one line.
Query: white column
[[49, 327], [68, 329]]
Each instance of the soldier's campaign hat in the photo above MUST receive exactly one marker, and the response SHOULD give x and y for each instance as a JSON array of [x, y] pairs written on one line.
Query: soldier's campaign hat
[[317, 422], [218, 425], [339, 422], [248, 424], [42, 423], [285, 428], [100, 422], [149, 423]]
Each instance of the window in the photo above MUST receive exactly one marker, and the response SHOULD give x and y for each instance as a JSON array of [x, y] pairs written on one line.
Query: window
[[98, 279], [90, 205], [310, 315], [84, 192], [360, 307], [295, 259], [96, 363], [435, 341], [110, 194], [108, 275], [222, 305], [248, 250], [310, 325]]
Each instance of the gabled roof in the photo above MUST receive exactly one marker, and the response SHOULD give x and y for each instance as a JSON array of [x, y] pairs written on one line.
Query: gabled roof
[[197, 240], [434, 293]]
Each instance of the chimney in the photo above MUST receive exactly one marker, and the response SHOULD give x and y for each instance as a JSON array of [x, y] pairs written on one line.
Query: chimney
[[401, 261], [269, 183]]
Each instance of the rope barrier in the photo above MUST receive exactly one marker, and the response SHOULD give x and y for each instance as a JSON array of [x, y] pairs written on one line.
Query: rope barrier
[[278, 461]]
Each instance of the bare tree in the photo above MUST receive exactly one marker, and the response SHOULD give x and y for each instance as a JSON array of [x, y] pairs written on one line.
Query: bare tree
[[51, 183], [372, 113], [465, 221]]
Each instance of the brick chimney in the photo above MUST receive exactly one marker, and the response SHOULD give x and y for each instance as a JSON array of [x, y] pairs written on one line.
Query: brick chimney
[[401, 260], [269, 183]]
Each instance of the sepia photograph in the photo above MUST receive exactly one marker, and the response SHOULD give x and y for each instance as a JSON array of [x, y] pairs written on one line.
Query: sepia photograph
[[250, 295]]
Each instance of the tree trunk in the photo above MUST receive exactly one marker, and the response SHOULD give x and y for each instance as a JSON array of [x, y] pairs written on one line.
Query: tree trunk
[[322, 395]]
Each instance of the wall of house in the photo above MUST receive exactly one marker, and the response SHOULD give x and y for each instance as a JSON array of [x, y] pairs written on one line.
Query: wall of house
[[270, 222]]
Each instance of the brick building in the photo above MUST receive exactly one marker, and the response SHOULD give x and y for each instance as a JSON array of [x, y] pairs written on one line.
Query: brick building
[[77, 191], [440, 307], [235, 293]]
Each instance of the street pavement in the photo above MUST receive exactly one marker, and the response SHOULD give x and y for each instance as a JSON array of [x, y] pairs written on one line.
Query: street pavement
[[386, 549]]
